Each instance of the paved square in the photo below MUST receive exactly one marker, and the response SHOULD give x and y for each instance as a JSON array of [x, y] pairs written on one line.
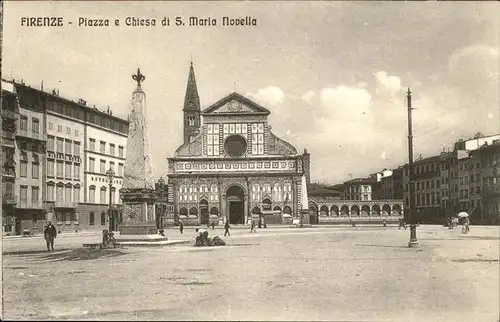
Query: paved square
[[343, 273]]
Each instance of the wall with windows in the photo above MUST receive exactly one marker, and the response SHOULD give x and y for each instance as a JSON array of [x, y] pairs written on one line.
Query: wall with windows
[[64, 166], [28, 158], [104, 149]]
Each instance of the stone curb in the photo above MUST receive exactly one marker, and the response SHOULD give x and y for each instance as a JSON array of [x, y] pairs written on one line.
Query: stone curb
[[59, 235], [152, 243]]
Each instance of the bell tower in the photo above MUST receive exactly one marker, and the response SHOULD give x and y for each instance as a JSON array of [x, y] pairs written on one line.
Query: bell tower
[[192, 121]]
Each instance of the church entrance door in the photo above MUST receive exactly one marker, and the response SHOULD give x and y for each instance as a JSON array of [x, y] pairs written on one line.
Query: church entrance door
[[205, 217], [235, 202]]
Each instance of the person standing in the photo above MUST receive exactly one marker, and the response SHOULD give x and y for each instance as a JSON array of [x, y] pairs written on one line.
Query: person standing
[[181, 227], [226, 227], [213, 225], [465, 225], [50, 233], [252, 227]]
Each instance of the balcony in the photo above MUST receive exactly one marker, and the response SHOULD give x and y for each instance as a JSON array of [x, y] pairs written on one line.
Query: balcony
[[9, 198], [9, 171], [65, 204], [491, 191], [29, 204], [32, 135], [8, 114], [8, 135]]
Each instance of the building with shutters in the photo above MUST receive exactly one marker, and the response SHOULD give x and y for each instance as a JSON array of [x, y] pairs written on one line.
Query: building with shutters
[[58, 161]]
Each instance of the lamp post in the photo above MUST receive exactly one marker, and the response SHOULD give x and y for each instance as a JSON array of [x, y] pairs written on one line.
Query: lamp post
[[110, 174], [161, 183], [413, 227]]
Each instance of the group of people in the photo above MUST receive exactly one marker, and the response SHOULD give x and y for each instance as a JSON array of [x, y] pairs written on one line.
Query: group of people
[[453, 222]]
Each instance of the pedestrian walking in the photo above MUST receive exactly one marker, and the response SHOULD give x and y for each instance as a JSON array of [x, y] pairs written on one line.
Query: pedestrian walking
[[384, 223], [50, 234], [181, 227], [213, 225], [226, 227], [252, 227]]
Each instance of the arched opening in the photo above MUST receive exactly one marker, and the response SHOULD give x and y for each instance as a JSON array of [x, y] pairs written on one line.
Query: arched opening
[[277, 208], [386, 210], [266, 204], [355, 210], [334, 211], [365, 210], [287, 210], [396, 210], [323, 211], [313, 214], [235, 197], [214, 211], [344, 211], [204, 216], [376, 210], [193, 212], [183, 212]]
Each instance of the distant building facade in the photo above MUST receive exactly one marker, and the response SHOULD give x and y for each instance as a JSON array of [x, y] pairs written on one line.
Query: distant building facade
[[10, 119], [231, 167], [359, 189], [52, 157], [488, 157]]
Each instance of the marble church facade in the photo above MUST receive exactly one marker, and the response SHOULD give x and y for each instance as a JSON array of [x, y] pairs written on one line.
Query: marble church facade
[[231, 167]]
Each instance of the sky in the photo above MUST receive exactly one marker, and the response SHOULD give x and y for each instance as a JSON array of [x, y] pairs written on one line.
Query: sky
[[333, 74]]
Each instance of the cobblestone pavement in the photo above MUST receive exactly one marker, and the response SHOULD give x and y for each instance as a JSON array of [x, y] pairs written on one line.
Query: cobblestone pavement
[[361, 273]]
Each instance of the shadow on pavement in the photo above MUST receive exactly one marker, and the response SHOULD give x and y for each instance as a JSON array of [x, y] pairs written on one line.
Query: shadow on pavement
[[477, 260], [389, 246], [464, 237], [31, 252], [71, 254]]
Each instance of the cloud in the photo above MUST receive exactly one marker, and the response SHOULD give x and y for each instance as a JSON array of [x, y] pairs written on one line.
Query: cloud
[[308, 96], [475, 67], [387, 84], [350, 103], [271, 95]]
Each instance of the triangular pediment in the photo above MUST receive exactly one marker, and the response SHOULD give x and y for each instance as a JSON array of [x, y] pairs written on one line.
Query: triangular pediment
[[235, 104]]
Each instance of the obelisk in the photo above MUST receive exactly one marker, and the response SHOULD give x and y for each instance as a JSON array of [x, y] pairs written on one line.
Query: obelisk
[[137, 194]]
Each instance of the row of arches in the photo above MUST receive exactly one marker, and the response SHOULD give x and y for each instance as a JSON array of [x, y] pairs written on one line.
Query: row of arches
[[286, 210], [355, 210], [214, 211]]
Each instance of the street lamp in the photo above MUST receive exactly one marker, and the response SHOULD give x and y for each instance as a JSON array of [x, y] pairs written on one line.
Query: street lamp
[[161, 183], [413, 226], [110, 174]]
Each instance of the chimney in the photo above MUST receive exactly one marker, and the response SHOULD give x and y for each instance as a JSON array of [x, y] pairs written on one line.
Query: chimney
[[83, 102]]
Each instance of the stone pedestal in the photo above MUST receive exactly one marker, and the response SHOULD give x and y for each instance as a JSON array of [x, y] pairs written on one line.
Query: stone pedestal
[[304, 215], [139, 220]]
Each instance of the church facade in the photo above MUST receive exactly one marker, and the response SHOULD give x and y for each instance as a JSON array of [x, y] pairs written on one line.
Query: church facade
[[231, 167]]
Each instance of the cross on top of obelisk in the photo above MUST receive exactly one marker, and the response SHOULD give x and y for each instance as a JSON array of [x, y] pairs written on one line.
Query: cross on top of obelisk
[[138, 77]]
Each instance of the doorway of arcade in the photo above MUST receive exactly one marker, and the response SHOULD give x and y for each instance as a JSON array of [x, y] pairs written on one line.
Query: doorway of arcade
[[235, 198]]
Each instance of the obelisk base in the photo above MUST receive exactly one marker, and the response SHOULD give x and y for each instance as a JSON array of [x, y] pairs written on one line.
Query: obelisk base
[[139, 219]]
